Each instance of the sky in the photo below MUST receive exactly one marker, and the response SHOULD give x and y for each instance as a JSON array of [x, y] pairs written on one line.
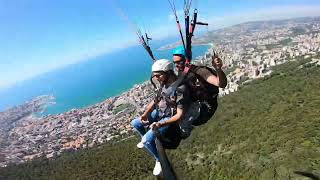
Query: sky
[[38, 36]]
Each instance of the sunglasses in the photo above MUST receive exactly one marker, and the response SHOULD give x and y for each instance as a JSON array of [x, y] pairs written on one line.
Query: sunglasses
[[181, 62], [157, 75]]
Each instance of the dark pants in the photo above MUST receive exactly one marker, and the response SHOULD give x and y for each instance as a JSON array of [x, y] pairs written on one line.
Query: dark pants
[[207, 110]]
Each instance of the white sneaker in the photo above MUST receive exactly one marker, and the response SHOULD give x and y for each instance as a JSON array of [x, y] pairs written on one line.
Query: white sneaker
[[140, 145], [157, 169]]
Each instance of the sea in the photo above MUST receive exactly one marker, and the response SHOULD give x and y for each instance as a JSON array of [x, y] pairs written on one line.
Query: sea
[[89, 82]]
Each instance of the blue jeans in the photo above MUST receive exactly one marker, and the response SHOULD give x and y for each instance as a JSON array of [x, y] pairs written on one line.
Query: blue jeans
[[148, 138]]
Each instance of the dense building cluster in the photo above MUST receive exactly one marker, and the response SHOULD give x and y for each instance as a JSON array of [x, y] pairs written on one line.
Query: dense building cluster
[[30, 136], [248, 50]]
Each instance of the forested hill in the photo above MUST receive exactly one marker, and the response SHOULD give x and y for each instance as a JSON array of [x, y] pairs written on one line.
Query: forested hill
[[269, 129]]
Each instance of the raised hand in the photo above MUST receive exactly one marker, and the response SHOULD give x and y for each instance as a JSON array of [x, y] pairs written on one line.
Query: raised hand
[[216, 62]]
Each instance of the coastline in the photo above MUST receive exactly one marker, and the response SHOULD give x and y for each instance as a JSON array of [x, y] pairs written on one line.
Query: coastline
[[103, 80], [81, 127], [174, 45], [104, 121]]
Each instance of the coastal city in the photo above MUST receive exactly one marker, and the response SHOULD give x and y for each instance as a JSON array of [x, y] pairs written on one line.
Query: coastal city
[[248, 50]]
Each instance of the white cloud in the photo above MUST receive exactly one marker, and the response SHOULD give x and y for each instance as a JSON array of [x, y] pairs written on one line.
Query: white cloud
[[228, 19], [168, 29], [279, 12]]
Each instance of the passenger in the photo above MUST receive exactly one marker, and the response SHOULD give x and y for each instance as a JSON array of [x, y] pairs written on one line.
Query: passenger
[[168, 109]]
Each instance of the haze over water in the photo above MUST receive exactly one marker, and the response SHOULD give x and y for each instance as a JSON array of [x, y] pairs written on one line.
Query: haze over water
[[89, 82]]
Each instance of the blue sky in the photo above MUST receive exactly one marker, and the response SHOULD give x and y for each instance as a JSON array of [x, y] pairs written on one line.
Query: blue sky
[[38, 36]]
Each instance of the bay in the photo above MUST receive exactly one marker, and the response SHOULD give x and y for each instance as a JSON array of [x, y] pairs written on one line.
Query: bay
[[89, 82]]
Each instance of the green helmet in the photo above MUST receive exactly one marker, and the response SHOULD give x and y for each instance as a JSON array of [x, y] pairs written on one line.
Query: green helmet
[[179, 51]]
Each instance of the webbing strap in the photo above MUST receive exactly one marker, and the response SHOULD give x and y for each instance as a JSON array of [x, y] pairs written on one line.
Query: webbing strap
[[167, 169]]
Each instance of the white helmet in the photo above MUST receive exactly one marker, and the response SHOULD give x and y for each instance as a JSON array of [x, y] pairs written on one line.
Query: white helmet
[[162, 65]]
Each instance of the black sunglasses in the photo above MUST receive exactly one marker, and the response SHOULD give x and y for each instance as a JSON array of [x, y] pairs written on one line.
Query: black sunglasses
[[157, 75], [181, 62]]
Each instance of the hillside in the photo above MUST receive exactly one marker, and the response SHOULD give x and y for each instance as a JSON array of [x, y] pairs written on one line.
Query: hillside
[[297, 26], [269, 129]]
